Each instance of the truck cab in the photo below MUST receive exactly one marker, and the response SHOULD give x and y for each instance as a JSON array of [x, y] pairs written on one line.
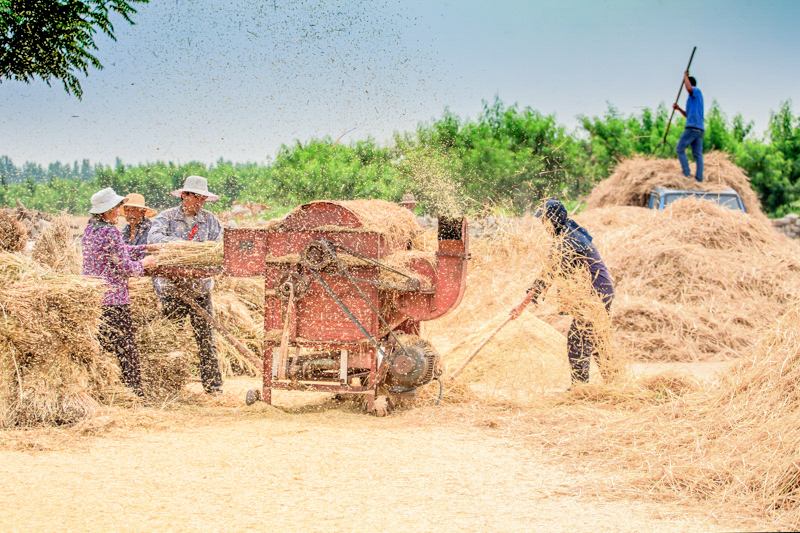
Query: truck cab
[[660, 198]]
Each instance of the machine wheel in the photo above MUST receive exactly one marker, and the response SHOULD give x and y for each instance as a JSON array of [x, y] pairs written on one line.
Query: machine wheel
[[381, 405], [253, 395]]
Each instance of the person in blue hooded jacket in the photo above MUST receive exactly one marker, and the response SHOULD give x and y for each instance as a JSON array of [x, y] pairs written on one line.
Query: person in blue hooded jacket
[[573, 245]]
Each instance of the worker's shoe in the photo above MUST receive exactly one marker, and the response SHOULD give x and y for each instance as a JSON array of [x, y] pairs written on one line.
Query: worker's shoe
[[214, 392]]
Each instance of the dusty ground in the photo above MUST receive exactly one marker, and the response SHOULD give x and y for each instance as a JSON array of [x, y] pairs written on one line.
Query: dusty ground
[[319, 466]]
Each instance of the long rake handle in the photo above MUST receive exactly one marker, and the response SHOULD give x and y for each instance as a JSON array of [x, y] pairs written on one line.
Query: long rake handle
[[514, 313], [680, 90], [247, 354]]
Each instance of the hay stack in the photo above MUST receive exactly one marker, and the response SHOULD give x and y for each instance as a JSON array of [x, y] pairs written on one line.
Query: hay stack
[[692, 281], [634, 179], [13, 234]]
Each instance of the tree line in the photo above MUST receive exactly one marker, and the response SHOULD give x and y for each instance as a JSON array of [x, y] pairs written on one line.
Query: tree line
[[508, 158]]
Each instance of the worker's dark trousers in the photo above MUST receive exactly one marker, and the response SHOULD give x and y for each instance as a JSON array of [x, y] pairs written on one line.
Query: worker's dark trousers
[[117, 335], [176, 310], [691, 137], [581, 339]]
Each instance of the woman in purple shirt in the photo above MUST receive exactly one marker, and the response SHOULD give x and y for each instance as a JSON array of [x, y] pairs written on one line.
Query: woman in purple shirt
[[107, 257]]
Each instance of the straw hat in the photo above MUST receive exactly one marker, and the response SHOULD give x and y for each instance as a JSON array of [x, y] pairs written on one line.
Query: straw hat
[[409, 199], [197, 185], [137, 200], [104, 200]]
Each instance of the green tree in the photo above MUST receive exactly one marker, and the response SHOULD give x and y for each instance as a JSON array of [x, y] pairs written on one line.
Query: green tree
[[54, 39]]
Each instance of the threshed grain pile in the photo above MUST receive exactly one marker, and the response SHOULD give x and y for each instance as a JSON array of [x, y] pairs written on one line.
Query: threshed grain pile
[[693, 281]]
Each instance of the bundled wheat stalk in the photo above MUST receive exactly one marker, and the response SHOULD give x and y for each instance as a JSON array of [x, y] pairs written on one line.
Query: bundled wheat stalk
[[190, 254], [55, 247], [13, 234]]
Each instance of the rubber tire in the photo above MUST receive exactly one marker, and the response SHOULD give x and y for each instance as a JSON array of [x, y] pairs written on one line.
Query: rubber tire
[[252, 396]]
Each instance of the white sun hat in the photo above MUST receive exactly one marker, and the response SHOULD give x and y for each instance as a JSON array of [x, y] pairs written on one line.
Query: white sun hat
[[197, 185], [104, 200]]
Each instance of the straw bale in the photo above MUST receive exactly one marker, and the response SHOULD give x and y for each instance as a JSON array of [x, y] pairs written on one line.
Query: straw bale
[[13, 234], [634, 179]]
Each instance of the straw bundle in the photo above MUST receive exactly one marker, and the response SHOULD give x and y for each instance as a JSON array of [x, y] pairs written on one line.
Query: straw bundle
[[694, 280], [56, 248], [190, 254], [634, 179], [13, 234], [168, 348]]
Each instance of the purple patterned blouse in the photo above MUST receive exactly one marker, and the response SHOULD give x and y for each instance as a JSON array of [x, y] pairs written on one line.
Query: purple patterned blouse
[[107, 257]]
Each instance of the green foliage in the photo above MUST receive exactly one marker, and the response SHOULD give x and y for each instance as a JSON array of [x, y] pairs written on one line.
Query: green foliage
[[55, 38], [507, 158]]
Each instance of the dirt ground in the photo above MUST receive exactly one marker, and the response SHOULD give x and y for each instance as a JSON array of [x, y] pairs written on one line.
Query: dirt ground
[[316, 465]]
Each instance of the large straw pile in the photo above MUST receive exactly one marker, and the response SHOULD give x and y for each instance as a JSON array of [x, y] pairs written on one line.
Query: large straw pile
[[634, 179], [736, 444], [693, 281]]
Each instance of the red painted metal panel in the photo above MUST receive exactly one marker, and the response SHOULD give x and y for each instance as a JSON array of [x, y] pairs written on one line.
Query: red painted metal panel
[[244, 251]]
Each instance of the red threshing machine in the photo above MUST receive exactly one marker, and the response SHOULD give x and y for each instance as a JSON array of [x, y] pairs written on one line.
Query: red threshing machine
[[344, 297]]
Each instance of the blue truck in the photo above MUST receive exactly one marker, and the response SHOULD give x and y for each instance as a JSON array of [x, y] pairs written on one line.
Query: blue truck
[[660, 198]]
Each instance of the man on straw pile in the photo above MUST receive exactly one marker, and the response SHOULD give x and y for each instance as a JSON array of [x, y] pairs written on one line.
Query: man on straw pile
[[190, 222], [574, 249], [693, 132], [106, 256], [138, 217]]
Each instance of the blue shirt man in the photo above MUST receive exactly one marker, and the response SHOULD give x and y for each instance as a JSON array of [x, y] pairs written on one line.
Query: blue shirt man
[[692, 135]]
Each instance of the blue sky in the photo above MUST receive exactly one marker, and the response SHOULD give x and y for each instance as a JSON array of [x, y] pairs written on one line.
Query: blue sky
[[200, 80]]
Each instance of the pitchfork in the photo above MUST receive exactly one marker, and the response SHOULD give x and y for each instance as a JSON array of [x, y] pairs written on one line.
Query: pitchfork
[[663, 144]]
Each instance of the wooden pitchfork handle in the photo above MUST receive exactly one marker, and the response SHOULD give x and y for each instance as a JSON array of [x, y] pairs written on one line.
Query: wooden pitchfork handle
[[680, 89], [247, 354], [514, 313]]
